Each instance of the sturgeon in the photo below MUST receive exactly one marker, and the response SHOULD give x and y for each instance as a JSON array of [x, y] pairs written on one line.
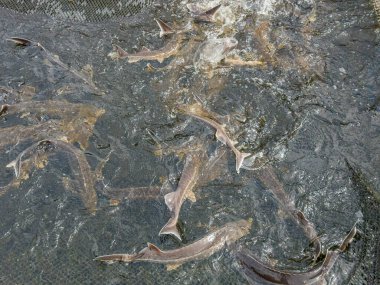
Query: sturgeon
[[85, 175], [54, 58], [200, 249], [222, 136], [258, 273], [175, 199]]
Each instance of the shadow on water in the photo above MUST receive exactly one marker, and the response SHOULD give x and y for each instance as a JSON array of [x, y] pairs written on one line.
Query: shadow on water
[[300, 92]]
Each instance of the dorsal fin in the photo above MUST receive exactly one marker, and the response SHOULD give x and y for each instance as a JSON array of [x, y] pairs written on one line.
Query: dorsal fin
[[165, 29], [120, 52], [211, 12], [153, 247], [208, 16]]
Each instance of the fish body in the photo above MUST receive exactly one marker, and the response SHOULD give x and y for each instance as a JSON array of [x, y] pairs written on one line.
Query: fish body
[[222, 136], [200, 249], [257, 272], [212, 51], [159, 55], [54, 58], [175, 199], [84, 173]]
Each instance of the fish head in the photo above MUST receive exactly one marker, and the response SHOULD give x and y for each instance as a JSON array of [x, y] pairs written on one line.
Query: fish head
[[229, 44]]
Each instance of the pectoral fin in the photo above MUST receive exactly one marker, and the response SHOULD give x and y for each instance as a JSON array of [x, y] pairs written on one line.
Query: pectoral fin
[[191, 196], [174, 266], [144, 48], [170, 200], [220, 136]]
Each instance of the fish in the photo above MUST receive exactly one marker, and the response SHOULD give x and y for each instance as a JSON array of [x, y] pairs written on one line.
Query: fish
[[213, 51], [77, 120], [198, 250], [170, 49], [175, 199], [84, 173], [54, 58], [257, 272], [203, 16], [269, 178], [220, 135]]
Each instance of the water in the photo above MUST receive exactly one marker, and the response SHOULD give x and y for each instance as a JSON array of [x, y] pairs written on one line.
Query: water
[[311, 110]]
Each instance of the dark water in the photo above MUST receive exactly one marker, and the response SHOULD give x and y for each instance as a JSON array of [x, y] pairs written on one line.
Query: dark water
[[312, 111]]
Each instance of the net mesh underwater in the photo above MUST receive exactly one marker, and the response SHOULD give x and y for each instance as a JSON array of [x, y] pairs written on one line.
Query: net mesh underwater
[[313, 110]]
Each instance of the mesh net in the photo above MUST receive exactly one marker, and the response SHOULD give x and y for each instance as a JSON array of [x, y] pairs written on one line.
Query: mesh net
[[78, 10], [47, 237]]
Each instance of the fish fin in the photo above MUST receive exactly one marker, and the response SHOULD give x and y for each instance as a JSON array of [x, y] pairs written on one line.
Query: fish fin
[[208, 16], [174, 266], [169, 200], [211, 12], [165, 29], [161, 59], [16, 164], [169, 229], [144, 48], [191, 196], [239, 160], [88, 71], [20, 41], [116, 257], [153, 247], [220, 136], [120, 52], [4, 109]]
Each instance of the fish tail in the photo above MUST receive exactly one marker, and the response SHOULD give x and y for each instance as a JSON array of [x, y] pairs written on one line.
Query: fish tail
[[116, 257], [170, 229], [240, 156]]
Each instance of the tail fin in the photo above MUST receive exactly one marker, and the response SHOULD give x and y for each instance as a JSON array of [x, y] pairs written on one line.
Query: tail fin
[[16, 164], [170, 229], [116, 257], [239, 160]]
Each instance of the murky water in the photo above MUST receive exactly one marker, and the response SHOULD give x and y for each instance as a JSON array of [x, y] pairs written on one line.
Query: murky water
[[307, 104]]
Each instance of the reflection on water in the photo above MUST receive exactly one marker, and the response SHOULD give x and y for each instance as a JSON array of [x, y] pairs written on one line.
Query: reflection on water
[[293, 84]]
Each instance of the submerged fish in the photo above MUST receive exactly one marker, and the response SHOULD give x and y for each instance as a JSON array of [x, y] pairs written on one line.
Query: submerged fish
[[200, 249], [175, 199], [258, 273], [77, 120], [220, 135], [171, 48], [87, 78], [212, 51], [83, 173]]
